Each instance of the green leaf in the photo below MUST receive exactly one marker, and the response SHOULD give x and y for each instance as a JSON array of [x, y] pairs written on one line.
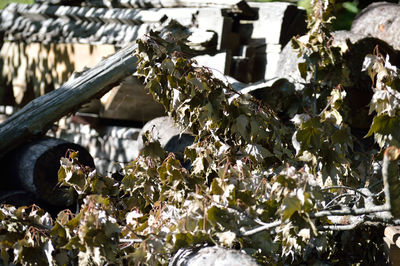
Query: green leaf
[[384, 125], [290, 205], [309, 134], [258, 152], [302, 69], [198, 165], [241, 124], [215, 187], [342, 136], [153, 149], [77, 179]]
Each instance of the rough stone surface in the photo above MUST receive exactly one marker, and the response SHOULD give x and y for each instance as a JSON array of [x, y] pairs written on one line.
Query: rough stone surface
[[210, 256], [356, 47], [110, 146], [277, 23], [358, 87], [380, 20], [171, 138]]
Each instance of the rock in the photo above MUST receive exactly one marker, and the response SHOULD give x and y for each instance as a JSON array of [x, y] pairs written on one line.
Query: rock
[[380, 20], [171, 138], [210, 256], [287, 66], [277, 23], [358, 85], [219, 63], [354, 46], [110, 146]]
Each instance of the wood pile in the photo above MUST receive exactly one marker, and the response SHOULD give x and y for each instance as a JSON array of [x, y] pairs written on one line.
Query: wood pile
[[44, 43], [241, 39]]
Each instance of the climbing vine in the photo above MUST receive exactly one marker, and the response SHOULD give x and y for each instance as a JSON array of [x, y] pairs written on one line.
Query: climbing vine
[[284, 191]]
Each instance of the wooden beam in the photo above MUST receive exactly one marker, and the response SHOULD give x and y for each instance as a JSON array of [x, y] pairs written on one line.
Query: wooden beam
[[152, 3], [39, 115]]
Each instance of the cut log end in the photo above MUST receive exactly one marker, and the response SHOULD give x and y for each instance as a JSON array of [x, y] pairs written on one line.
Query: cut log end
[[33, 167]]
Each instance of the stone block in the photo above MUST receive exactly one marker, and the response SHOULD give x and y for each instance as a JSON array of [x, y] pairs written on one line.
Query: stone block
[[212, 19], [220, 62], [130, 101], [380, 20], [278, 22]]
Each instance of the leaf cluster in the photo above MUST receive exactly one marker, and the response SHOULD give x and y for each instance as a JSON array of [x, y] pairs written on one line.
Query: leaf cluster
[[279, 191]]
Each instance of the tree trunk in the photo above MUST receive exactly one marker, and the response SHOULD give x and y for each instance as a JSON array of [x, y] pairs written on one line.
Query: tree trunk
[[38, 116]]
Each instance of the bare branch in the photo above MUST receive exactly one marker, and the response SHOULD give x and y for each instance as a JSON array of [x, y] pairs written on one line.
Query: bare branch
[[346, 188], [354, 212], [262, 228], [340, 227], [335, 199], [361, 211], [391, 184]]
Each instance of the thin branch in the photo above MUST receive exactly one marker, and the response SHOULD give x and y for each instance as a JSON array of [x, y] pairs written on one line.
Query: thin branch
[[320, 214], [391, 185], [390, 175], [262, 228], [335, 199], [340, 227], [382, 208], [347, 188], [129, 240]]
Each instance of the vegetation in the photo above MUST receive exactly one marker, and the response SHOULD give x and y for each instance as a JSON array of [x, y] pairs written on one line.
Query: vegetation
[[343, 10], [4, 3], [287, 182]]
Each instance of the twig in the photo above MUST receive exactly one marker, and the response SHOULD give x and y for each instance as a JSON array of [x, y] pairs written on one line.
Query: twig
[[347, 188], [340, 227], [361, 211], [262, 228], [320, 214], [391, 185], [336, 198], [129, 240]]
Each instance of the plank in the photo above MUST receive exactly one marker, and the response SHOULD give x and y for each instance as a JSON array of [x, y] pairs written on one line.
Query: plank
[[37, 117], [152, 3]]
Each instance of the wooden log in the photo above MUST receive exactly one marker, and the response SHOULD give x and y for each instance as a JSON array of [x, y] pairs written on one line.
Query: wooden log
[[39, 12], [67, 24], [152, 3], [392, 243], [34, 166], [38, 116], [17, 198], [393, 233], [58, 31]]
